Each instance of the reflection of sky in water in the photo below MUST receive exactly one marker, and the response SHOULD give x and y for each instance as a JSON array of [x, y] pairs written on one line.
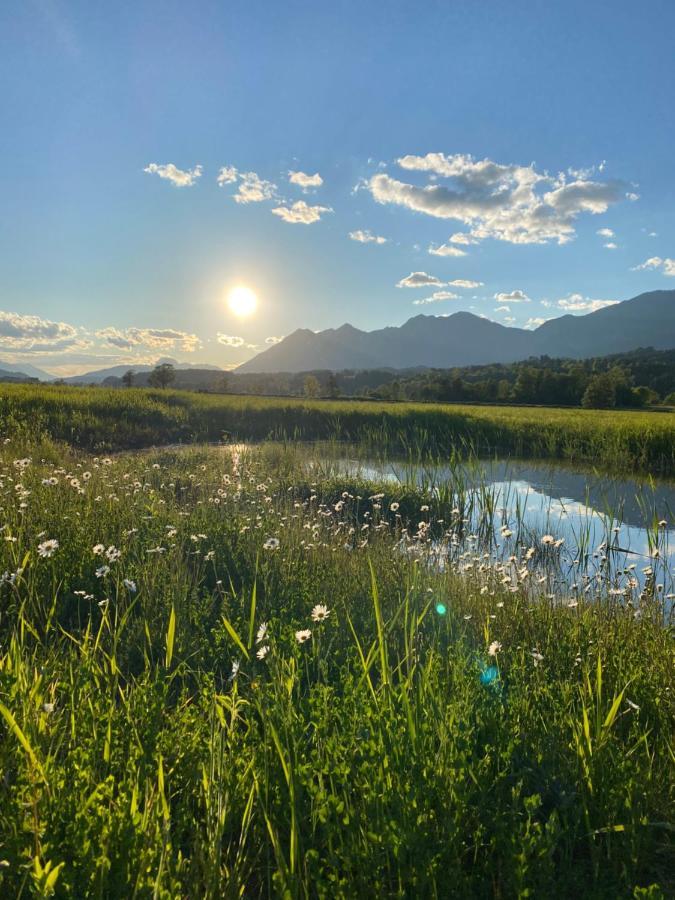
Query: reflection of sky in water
[[588, 510]]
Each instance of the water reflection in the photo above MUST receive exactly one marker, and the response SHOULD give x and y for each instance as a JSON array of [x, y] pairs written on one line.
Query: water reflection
[[622, 527]]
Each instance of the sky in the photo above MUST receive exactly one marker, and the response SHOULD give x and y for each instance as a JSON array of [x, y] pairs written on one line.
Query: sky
[[358, 162]]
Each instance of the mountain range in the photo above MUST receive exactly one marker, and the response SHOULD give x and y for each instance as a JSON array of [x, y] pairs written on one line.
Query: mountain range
[[425, 341], [464, 339], [100, 375]]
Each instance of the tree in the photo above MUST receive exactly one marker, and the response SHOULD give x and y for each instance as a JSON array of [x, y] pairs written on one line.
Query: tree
[[503, 390], [311, 386], [333, 388], [162, 376], [600, 393], [645, 396], [221, 384], [128, 378]]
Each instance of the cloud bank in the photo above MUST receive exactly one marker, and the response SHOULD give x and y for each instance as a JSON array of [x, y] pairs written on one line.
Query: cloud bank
[[510, 202]]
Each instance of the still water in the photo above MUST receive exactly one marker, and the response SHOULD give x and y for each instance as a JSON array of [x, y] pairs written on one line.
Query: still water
[[624, 527]]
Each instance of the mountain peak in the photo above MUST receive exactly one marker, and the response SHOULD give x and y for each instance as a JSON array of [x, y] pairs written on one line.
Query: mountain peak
[[465, 338]]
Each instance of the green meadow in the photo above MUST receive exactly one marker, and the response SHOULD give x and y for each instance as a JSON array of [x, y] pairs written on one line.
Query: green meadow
[[240, 671], [100, 420]]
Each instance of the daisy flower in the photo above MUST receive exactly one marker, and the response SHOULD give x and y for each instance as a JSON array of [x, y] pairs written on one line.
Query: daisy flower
[[320, 613], [48, 548]]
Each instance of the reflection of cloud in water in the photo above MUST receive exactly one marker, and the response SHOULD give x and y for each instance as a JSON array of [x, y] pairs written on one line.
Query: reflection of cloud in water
[[584, 508]]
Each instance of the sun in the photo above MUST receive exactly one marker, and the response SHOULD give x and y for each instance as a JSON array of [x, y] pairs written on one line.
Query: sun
[[242, 301]]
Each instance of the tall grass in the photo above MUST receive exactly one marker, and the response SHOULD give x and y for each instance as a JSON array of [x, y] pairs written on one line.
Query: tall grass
[[101, 420], [441, 733]]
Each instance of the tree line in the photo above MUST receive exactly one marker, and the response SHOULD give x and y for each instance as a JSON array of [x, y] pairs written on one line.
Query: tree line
[[637, 379]]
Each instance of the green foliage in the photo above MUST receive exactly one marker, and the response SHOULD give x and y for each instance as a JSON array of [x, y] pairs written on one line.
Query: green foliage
[[162, 376], [600, 393], [157, 741], [542, 380], [311, 387]]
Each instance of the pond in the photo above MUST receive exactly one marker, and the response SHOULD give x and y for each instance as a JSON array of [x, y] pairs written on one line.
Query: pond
[[619, 529]]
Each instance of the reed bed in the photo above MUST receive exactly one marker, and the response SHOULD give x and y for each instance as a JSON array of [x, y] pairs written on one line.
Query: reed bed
[[105, 420]]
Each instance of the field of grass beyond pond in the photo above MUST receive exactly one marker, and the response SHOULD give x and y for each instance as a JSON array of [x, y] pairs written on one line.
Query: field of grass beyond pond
[[223, 675], [104, 420]]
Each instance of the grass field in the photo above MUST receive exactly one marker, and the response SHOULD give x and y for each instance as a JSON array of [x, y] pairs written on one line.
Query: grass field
[[103, 420], [220, 679]]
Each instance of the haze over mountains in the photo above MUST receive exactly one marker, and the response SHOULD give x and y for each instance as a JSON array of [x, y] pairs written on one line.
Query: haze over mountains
[[22, 371], [464, 339], [426, 341], [100, 375]]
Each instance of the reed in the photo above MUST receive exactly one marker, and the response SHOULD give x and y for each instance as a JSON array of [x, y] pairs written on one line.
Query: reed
[[103, 420]]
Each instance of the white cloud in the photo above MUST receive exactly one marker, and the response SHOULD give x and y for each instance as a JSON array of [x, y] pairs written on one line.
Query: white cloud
[[605, 232], [227, 175], [632, 196], [305, 181], [34, 334], [579, 303], [272, 339], [666, 265], [300, 213], [461, 237], [610, 245], [251, 188], [503, 309], [465, 283], [509, 320], [178, 177], [507, 202], [367, 237], [512, 297], [534, 322], [420, 279], [437, 297], [155, 338], [230, 340], [446, 250]]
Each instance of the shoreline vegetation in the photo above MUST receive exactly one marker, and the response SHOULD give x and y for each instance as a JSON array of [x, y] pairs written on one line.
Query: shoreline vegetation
[[223, 674], [105, 420]]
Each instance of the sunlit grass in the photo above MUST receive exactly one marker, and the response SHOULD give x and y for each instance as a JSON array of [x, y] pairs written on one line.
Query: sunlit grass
[[222, 674], [101, 419]]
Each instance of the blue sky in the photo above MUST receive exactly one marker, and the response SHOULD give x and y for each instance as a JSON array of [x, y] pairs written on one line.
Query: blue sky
[[509, 132]]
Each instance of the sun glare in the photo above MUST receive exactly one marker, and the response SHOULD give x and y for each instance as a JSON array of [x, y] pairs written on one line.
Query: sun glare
[[242, 301]]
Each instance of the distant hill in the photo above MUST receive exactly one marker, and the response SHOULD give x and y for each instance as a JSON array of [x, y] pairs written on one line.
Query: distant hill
[[464, 339], [25, 369], [100, 375], [16, 377]]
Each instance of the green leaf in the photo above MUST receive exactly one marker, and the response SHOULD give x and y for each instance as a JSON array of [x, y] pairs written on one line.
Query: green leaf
[[23, 740], [170, 637], [235, 637]]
